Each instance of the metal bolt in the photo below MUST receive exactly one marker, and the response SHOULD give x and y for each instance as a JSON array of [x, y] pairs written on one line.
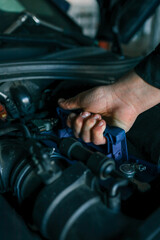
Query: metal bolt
[[128, 170]]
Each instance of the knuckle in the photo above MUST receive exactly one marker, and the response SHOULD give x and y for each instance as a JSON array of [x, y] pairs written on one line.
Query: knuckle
[[96, 141], [85, 137], [76, 134], [90, 122], [96, 136], [95, 131], [78, 122]]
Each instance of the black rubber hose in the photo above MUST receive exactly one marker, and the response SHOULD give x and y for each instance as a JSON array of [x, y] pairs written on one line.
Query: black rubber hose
[[106, 71], [47, 137], [16, 127]]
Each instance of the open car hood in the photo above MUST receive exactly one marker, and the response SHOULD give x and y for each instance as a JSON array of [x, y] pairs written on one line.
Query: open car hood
[[123, 18]]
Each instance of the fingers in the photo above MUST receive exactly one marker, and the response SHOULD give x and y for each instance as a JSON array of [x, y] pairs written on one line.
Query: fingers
[[76, 122], [71, 119], [97, 133], [88, 124], [69, 104], [88, 127], [79, 122]]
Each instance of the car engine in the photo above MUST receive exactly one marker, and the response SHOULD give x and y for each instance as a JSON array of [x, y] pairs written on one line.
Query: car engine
[[53, 185], [63, 187]]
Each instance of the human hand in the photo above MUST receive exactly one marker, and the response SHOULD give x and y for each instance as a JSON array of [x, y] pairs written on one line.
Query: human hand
[[118, 105]]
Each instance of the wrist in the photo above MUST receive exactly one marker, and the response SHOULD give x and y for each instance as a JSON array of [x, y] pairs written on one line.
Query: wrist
[[137, 93]]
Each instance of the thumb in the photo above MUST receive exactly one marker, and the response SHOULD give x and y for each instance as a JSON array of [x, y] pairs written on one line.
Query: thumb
[[71, 103]]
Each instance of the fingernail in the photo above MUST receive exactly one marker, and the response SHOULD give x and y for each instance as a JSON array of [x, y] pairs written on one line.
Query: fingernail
[[72, 115], [101, 123], [97, 117], [61, 100], [85, 114]]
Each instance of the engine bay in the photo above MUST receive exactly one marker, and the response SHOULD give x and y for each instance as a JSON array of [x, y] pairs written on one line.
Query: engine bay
[[62, 186], [53, 185]]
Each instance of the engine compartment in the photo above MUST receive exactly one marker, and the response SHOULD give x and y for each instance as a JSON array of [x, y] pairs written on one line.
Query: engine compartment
[[52, 185], [63, 187]]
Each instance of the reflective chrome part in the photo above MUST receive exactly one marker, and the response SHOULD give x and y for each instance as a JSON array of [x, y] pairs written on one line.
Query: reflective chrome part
[[23, 18]]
